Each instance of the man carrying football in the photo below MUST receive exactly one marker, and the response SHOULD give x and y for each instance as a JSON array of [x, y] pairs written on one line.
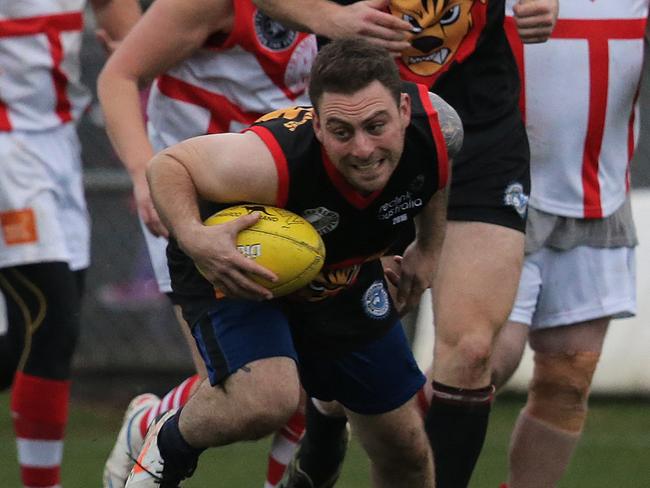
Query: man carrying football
[[373, 156]]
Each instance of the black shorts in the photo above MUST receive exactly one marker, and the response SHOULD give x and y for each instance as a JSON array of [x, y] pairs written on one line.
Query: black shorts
[[491, 176]]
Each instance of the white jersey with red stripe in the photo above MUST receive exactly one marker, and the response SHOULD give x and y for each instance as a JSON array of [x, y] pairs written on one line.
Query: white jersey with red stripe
[[579, 100], [40, 84], [230, 82]]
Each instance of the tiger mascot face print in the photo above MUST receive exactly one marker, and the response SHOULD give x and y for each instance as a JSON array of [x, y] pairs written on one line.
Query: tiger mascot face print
[[439, 28]]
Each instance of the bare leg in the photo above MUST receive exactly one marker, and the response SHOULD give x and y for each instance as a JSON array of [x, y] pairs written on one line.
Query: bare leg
[[507, 352], [250, 404], [473, 294], [550, 425], [397, 446], [199, 365]]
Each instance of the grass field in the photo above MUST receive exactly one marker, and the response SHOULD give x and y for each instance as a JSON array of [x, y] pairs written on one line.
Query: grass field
[[615, 451]]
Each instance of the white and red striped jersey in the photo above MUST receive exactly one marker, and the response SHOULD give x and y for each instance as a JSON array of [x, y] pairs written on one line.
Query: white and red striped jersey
[[579, 100], [40, 84], [226, 85]]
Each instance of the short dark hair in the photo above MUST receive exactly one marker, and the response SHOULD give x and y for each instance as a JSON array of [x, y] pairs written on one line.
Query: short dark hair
[[349, 65]]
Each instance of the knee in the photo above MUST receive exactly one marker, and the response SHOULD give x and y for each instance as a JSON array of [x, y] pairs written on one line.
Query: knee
[[470, 352], [560, 386]]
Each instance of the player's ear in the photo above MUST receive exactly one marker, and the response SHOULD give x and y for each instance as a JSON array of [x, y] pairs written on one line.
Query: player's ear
[[318, 128], [405, 109]]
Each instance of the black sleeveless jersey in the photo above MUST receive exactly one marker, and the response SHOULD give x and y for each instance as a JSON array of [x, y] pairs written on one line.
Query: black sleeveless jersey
[[460, 51], [355, 228]]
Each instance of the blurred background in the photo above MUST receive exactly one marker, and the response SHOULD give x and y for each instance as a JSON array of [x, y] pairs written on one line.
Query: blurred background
[[130, 343]]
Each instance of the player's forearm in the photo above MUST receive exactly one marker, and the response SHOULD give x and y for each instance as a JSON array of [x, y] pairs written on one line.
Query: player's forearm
[[304, 15], [116, 17], [120, 100]]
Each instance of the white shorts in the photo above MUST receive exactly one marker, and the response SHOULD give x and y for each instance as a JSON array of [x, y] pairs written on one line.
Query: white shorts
[[43, 214], [157, 246], [568, 287]]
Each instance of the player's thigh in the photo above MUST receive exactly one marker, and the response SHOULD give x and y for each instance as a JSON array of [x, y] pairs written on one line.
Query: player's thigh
[[199, 365], [397, 436], [232, 333], [43, 301], [477, 279], [587, 336], [507, 352]]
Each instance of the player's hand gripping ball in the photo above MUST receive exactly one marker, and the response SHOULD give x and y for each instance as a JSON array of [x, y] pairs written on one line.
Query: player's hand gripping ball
[[281, 241]]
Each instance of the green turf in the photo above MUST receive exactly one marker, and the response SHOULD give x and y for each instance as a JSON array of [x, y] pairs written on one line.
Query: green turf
[[615, 451]]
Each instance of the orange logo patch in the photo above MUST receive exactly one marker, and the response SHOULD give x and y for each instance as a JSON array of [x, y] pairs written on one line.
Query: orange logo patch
[[18, 226]]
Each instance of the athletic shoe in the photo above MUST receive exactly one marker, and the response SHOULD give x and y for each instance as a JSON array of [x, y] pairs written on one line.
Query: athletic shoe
[[150, 469], [128, 443], [295, 477]]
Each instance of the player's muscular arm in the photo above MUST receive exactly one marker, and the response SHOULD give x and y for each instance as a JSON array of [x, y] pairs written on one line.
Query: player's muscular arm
[[169, 32], [450, 123], [535, 19], [420, 260], [367, 19], [222, 168]]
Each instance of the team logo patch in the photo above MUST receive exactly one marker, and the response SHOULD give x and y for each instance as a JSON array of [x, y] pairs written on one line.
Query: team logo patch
[[514, 196], [375, 301], [272, 34], [323, 219]]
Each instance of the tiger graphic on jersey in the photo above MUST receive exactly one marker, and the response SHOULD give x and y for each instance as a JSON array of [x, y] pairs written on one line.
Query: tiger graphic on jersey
[[440, 30]]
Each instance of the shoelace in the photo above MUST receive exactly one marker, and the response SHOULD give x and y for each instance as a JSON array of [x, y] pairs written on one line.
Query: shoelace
[[155, 475], [158, 479]]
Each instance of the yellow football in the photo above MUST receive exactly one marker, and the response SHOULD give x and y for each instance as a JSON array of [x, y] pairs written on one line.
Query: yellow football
[[281, 241]]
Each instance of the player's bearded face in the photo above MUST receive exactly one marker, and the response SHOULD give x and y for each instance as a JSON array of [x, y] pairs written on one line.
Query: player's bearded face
[[363, 134]]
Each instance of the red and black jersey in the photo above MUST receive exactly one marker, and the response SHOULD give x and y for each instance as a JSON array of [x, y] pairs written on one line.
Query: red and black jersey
[[355, 228]]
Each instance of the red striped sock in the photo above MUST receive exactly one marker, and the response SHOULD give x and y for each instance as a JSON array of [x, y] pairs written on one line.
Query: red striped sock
[[40, 412], [176, 398], [282, 448]]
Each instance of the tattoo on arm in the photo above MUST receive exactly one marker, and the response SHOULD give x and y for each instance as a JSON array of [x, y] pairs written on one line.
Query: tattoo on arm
[[450, 123]]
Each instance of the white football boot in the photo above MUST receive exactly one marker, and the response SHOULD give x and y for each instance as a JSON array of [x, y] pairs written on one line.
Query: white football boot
[[128, 443], [150, 470]]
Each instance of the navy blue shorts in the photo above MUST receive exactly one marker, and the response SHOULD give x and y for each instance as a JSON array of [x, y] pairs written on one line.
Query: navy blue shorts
[[374, 378], [233, 333]]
